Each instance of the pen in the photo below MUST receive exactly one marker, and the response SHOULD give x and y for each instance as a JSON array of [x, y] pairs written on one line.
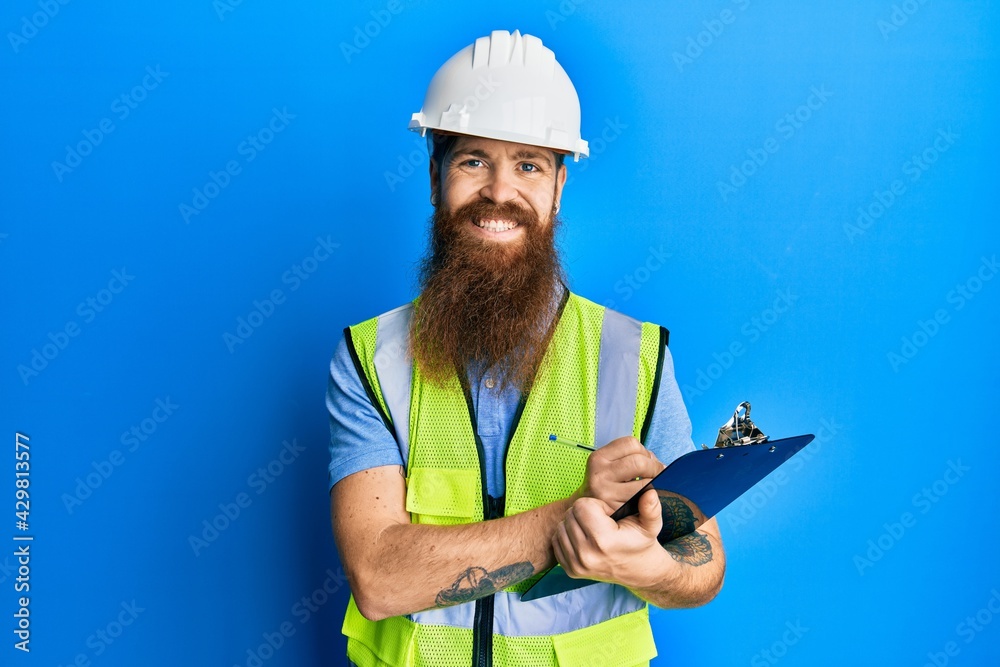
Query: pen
[[554, 438]]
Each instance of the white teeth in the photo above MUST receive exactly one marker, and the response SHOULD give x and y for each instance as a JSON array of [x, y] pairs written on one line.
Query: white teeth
[[496, 225]]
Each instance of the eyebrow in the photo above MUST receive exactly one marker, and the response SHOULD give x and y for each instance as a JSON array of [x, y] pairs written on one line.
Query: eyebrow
[[534, 155], [519, 155], [474, 152]]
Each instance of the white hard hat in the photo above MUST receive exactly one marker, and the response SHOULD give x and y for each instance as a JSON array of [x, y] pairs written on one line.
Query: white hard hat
[[507, 87]]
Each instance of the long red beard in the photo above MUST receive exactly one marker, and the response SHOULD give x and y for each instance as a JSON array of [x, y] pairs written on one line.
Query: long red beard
[[484, 302]]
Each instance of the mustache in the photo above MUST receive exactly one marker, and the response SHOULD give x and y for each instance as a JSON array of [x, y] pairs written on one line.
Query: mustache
[[486, 210]]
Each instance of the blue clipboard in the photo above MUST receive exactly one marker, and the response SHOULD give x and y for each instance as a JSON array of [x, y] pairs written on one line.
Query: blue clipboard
[[709, 478]]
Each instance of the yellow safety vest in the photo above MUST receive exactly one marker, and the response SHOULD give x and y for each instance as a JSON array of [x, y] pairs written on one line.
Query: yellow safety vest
[[598, 383]]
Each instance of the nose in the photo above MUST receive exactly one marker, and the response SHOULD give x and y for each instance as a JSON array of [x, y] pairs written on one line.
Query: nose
[[499, 187]]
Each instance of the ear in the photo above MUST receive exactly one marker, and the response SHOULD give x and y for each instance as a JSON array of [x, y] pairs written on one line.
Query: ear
[[435, 179], [560, 182]]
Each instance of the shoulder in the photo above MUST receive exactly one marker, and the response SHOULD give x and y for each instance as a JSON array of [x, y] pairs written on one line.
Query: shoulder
[[403, 311], [617, 322], [585, 303], [390, 327]]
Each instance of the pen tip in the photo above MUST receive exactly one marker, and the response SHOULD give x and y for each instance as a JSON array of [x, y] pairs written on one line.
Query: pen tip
[[552, 436]]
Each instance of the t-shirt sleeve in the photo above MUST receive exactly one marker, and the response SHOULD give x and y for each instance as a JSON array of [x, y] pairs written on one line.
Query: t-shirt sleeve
[[669, 435], [359, 440]]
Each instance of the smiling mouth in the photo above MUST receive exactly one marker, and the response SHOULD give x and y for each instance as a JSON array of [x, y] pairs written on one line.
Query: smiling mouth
[[494, 225]]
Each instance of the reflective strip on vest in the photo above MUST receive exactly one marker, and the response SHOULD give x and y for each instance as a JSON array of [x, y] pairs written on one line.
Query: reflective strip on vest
[[551, 615], [394, 366], [617, 377], [601, 375]]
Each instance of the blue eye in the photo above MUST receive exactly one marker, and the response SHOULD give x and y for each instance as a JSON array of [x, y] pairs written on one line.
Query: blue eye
[[527, 166], [473, 163]]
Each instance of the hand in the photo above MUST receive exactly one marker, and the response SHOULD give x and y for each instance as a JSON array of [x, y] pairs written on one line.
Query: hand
[[612, 471], [589, 544]]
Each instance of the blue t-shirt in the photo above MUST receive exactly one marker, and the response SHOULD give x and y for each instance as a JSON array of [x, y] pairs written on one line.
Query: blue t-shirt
[[359, 440]]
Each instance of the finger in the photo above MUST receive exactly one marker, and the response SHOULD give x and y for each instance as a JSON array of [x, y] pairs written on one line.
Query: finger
[[615, 494], [626, 468], [658, 462], [650, 515], [604, 507], [591, 518], [576, 536], [629, 489], [557, 550], [636, 465], [563, 551], [621, 447]]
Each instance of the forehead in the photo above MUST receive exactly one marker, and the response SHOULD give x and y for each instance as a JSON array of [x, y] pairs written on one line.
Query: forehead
[[496, 149]]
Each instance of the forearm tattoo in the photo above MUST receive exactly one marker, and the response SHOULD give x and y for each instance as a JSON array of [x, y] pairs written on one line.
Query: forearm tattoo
[[679, 537], [678, 519], [693, 549], [477, 582]]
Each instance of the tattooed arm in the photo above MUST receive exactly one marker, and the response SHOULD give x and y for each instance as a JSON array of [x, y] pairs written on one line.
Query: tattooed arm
[[395, 567], [686, 571]]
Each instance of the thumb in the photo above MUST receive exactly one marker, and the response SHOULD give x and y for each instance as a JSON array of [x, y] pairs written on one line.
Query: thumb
[[650, 516]]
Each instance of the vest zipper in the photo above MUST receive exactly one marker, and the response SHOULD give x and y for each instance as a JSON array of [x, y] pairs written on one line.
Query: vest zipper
[[482, 633], [482, 626]]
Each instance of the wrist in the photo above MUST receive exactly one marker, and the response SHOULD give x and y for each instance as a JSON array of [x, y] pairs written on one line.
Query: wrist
[[656, 571]]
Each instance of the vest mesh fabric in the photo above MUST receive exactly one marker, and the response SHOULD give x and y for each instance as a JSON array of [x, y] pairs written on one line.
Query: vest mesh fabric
[[445, 486]]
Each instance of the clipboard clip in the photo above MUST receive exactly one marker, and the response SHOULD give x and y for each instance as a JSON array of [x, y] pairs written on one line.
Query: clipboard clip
[[739, 430]]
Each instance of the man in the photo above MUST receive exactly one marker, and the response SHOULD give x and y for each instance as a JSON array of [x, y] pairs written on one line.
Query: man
[[456, 479]]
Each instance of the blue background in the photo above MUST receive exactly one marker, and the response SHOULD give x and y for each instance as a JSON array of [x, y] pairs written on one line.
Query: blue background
[[684, 94]]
